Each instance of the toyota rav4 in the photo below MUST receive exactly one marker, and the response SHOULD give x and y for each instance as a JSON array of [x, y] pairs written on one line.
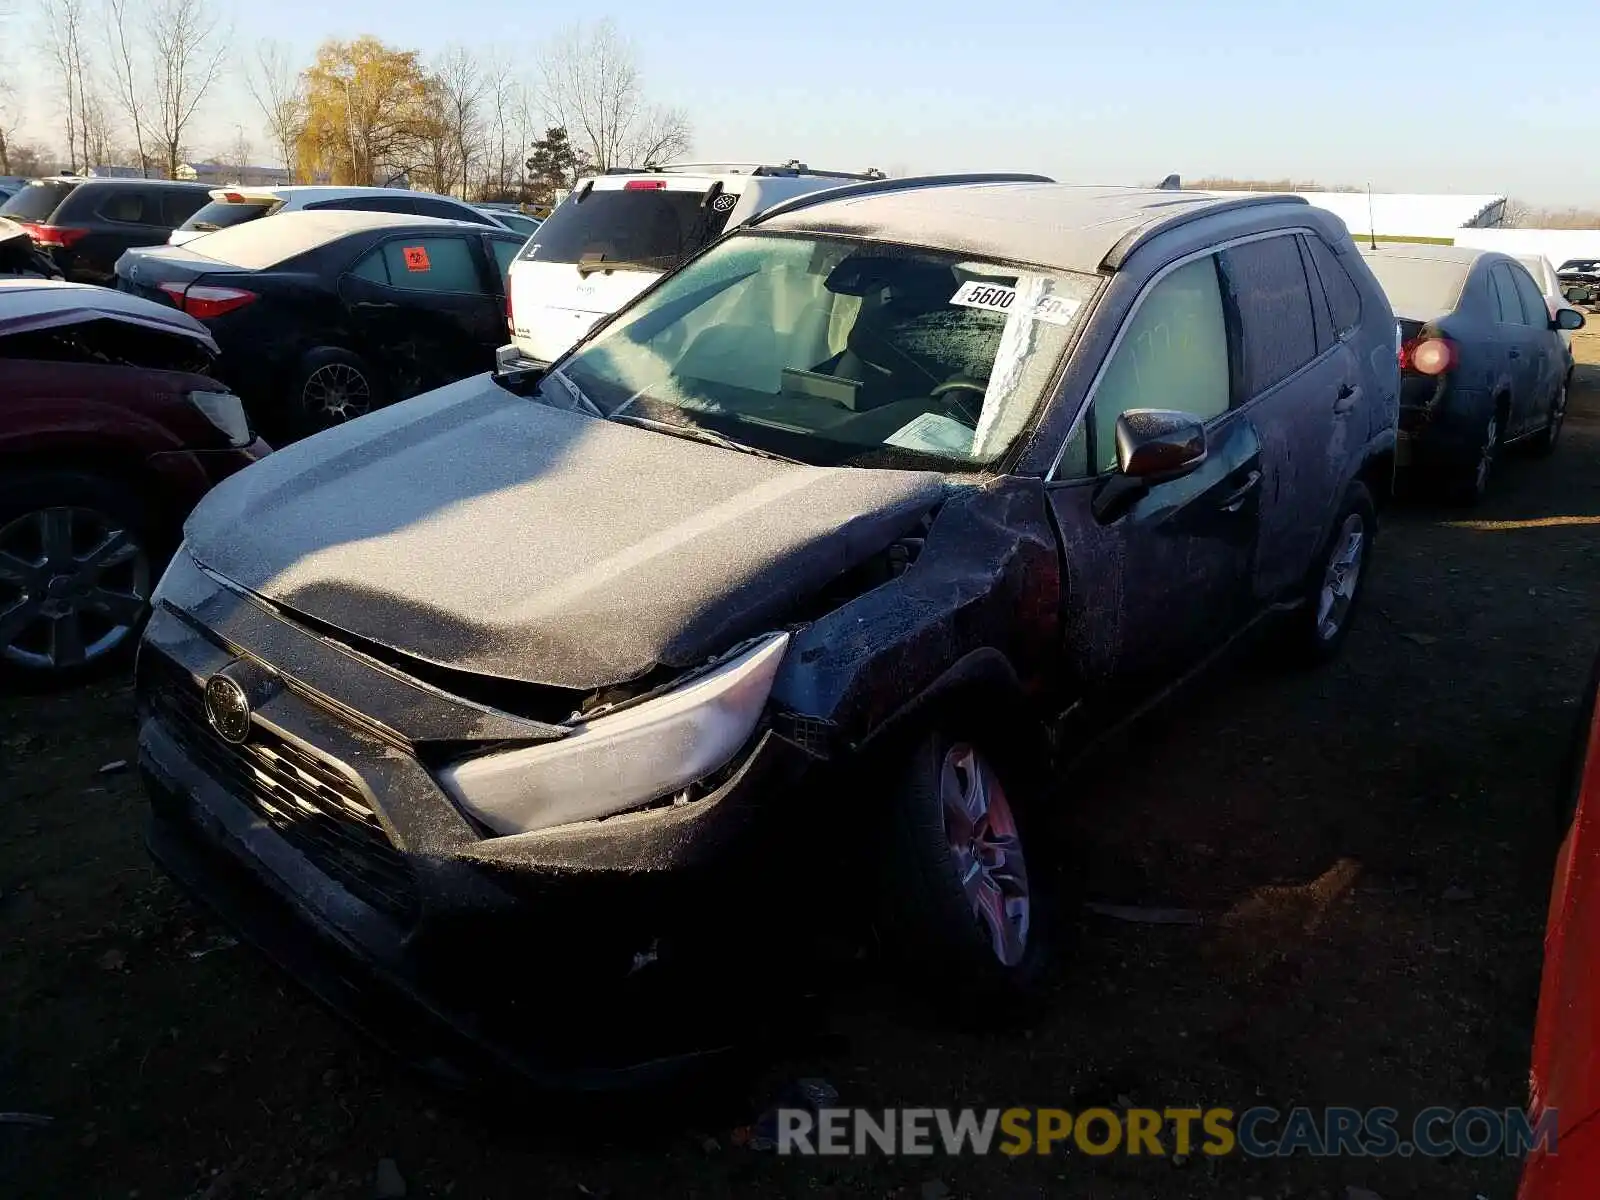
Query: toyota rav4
[[795, 581]]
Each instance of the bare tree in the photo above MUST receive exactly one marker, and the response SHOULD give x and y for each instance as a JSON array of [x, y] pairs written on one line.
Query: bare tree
[[130, 86], [460, 85], [279, 92], [186, 49], [62, 32], [239, 154], [591, 86]]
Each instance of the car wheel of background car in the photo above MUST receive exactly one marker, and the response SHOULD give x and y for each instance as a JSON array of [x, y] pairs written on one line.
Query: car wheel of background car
[[1320, 625], [77, 565], [334, 386], [961, 904], [1545, 443]]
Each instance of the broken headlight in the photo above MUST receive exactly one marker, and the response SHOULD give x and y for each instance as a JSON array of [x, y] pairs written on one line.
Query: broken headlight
[[226, 412], [625, 758]]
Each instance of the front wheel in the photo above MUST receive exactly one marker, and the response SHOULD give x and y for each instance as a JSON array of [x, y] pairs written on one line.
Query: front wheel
[[78, 559], [962, 905]]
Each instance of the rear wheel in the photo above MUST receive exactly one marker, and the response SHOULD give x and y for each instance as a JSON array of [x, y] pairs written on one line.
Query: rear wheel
[[1333, 589], [1473, 478], [333, 386], [961, 901], [1545, 442], [78, 560]]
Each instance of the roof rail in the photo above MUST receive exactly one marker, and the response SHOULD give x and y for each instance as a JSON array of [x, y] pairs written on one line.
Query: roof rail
[[792, 168], [876, 187]]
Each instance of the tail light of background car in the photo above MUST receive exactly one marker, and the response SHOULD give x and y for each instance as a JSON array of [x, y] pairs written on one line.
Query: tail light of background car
[[511, 316], [226, 412], [1427, 355], [205, 301], [54, 235]]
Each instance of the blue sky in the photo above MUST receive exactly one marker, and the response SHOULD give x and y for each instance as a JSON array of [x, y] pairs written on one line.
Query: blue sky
[[1464, 97]]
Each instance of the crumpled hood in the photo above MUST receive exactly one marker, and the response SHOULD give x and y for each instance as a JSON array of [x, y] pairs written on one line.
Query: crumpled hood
[[478, 530]]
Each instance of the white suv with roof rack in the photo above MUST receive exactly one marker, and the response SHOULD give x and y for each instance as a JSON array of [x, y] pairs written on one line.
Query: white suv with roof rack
[[236, 205], [617, 233]]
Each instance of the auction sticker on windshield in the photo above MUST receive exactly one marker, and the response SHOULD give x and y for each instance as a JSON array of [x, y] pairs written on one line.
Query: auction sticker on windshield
[[977, 294], [997, 297]]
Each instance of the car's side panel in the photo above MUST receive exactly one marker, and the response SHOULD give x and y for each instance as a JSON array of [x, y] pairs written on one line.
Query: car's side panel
[[987, 579], [1149, 592]]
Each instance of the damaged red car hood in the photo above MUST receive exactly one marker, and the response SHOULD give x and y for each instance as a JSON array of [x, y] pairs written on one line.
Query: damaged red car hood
[[477, 530]]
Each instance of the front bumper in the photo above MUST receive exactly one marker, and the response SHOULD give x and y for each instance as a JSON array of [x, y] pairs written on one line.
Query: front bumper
[[328, 844]]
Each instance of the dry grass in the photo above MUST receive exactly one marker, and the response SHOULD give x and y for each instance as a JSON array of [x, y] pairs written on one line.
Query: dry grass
[[1223, 183]]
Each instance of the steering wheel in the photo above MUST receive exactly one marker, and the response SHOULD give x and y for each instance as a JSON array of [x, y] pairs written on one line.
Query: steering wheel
[[956, 408]]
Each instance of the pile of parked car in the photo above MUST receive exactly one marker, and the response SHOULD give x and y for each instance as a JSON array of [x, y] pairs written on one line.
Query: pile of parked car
[[794, 502]]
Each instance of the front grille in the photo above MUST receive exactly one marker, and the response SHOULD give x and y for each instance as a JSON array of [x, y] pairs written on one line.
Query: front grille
[[309, 802]]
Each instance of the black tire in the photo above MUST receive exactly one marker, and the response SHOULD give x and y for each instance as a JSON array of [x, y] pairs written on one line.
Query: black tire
[[127, 575], [325, 376], [1471, 479], [1309, 638], [1544, 443], [934, 933]]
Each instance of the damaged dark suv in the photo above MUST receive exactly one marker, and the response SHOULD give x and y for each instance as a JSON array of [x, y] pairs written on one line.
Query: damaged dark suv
[[804, 566]]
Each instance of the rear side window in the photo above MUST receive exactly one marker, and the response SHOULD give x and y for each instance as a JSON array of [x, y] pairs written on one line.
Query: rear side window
[[505, 253], [388, 204], [446, 211], [1344, 298], [128, 206], [1503, 292], [36, 201], [650, 227], [1268, 282], [431, 264], [1535, 311]]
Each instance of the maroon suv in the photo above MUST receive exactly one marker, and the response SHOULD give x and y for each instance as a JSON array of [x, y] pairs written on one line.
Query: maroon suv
[[111, 430]]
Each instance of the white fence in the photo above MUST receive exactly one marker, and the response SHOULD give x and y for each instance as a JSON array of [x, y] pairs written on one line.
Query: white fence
[[1558, 245]]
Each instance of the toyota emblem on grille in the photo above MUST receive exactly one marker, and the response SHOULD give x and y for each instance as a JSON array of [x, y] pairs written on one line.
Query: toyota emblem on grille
[[228, 709]]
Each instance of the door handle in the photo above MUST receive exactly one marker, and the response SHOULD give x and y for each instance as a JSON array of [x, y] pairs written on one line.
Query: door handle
[[1346, 398], [1235, 499], [1516, 354]]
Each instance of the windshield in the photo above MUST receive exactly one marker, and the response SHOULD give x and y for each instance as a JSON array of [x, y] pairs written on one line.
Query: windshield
[[37, 200], [652, 228], [1419, 287], [836, 351], [220, 214]]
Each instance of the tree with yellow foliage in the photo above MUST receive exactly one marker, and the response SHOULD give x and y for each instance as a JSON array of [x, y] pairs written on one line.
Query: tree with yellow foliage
[[366, 111]]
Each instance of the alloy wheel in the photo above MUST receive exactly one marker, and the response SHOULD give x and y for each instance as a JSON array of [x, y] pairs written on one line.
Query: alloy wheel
[[74, 586], [1341, 577], [337, 392], [984, 843], [1558, 414]]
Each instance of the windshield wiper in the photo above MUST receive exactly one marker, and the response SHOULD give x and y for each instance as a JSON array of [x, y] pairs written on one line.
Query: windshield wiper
[[588, 266], [698, 433]]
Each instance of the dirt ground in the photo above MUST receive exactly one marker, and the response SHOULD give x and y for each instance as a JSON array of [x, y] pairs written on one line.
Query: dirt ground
[[1371, 846]]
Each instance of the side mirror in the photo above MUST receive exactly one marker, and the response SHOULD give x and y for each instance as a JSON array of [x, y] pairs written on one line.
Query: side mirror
[[1578, 293], [1569, 319], [1155, 444]]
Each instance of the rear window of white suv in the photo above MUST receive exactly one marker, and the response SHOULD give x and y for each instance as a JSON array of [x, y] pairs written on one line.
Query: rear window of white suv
[[220, 214], [654, 228]]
